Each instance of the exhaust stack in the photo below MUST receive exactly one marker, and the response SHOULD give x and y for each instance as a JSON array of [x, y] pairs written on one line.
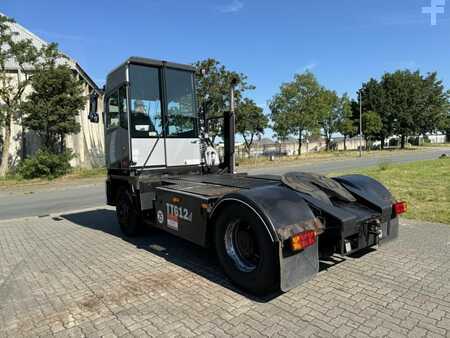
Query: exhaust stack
[[229, 132]]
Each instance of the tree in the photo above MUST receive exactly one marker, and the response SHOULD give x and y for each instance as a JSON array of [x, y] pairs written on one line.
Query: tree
[[213, 83], [435, 113], [53, 105], [408, 103], [404, 102], [445, 127], [372, 125], [345, 124], [374, 99], [295, 108], [250, 122], [12, 85], [329, 114]]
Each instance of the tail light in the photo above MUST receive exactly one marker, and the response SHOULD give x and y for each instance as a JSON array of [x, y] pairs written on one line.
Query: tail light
[[303, 240], [400, 208]]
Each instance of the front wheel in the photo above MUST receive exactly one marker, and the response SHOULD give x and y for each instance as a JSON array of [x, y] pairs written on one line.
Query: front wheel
[[128, 216], [245, 250]]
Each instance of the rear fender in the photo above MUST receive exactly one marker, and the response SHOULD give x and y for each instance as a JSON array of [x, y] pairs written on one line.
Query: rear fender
[[373, 192], [284, 213]]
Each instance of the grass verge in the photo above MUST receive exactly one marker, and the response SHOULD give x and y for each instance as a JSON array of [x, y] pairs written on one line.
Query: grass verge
[[425, 185], [264, 161], [76, 174]]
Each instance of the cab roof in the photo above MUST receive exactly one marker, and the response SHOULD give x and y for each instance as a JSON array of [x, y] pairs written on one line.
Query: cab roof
[[158, 63], [117, 75]]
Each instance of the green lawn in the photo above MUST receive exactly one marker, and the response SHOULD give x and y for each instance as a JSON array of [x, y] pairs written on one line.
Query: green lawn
[[258, 162], [425, 185]]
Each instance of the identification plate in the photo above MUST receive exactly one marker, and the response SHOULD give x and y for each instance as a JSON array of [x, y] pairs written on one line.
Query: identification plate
[[348, 247]]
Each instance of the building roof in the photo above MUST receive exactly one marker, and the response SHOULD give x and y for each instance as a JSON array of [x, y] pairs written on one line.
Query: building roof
[[23, 34]]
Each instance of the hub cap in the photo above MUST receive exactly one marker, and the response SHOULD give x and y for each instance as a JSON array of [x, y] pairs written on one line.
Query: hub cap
[[241, 246]]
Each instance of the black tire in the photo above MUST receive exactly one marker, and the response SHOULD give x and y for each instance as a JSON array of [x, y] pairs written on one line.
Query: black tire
[[257, 273], [128, 216]]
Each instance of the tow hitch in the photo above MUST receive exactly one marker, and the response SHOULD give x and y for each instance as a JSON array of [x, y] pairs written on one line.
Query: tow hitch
[[370, 234], [374, 228]]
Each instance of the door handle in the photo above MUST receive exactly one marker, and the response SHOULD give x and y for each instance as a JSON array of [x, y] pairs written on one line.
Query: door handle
[[194, 142]]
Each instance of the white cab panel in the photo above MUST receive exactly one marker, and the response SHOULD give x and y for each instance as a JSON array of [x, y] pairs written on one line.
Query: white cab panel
[[141, 148], [183, 151]]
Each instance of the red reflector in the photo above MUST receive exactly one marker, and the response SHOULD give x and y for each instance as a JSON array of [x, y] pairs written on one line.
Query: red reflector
[[400, 207], [303, 240]]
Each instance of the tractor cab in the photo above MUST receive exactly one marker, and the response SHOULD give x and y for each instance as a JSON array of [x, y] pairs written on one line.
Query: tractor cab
[[151, 116]]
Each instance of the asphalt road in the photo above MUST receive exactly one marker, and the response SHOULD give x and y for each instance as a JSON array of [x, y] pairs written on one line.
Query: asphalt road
[[41, 201]]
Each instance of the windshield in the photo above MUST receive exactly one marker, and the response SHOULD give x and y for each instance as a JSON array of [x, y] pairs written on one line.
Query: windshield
[[145, 102]]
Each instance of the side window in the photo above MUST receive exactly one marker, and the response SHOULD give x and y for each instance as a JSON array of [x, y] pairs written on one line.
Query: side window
[[181, 112], [123, 107], [113, 119]]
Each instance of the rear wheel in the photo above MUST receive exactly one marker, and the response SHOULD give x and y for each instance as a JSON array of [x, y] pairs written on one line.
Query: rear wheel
[[128, 216], [245, 250]]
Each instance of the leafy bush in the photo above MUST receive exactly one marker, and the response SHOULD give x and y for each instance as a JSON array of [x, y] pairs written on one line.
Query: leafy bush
[[45, 164]]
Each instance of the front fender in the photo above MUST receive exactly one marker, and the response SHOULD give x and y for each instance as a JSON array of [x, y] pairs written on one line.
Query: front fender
[[284, 213]]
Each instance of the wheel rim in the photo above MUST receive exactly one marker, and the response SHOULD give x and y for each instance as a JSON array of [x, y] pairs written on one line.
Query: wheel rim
[[241, 246]]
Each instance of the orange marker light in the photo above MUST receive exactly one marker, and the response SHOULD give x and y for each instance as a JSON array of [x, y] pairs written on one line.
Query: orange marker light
[[303, 240], [176, 199]]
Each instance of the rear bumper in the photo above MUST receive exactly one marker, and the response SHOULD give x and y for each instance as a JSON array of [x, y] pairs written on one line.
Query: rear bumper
[[301, 267]]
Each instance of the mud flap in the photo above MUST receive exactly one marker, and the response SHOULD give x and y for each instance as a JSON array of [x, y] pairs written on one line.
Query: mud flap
[[298, 268], [390, 230]]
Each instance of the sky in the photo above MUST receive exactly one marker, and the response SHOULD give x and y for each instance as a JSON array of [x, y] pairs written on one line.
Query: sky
[[344, 42]]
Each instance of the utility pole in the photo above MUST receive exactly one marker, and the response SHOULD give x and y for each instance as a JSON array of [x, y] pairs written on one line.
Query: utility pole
[[360, 124]]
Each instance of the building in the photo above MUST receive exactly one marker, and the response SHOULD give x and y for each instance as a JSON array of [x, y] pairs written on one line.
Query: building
[[88, 144]]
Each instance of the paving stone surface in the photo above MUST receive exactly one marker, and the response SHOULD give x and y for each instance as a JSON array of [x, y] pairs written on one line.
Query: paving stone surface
[[77, 276]]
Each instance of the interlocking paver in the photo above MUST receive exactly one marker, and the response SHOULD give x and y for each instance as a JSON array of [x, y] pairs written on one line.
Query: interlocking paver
[[79, 277]]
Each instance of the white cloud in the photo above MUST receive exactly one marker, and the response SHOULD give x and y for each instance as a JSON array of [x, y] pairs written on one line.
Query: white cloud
[[234, 6]]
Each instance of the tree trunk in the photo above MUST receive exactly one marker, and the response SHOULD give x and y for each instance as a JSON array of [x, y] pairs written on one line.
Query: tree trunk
[[61, 150], [327, 143], [367, 143], [382, 142], [4, 166], [403, 142], [299, 143]]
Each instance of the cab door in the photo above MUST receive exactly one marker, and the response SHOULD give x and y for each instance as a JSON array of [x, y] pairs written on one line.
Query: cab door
[[116, 133], [182, 137], [146, 131]]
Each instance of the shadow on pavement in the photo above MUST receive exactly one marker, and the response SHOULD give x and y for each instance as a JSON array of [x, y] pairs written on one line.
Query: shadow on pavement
[[187, 255]]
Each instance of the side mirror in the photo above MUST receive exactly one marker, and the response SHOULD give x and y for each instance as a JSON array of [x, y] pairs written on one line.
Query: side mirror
[[93, 117], [93, 114]]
